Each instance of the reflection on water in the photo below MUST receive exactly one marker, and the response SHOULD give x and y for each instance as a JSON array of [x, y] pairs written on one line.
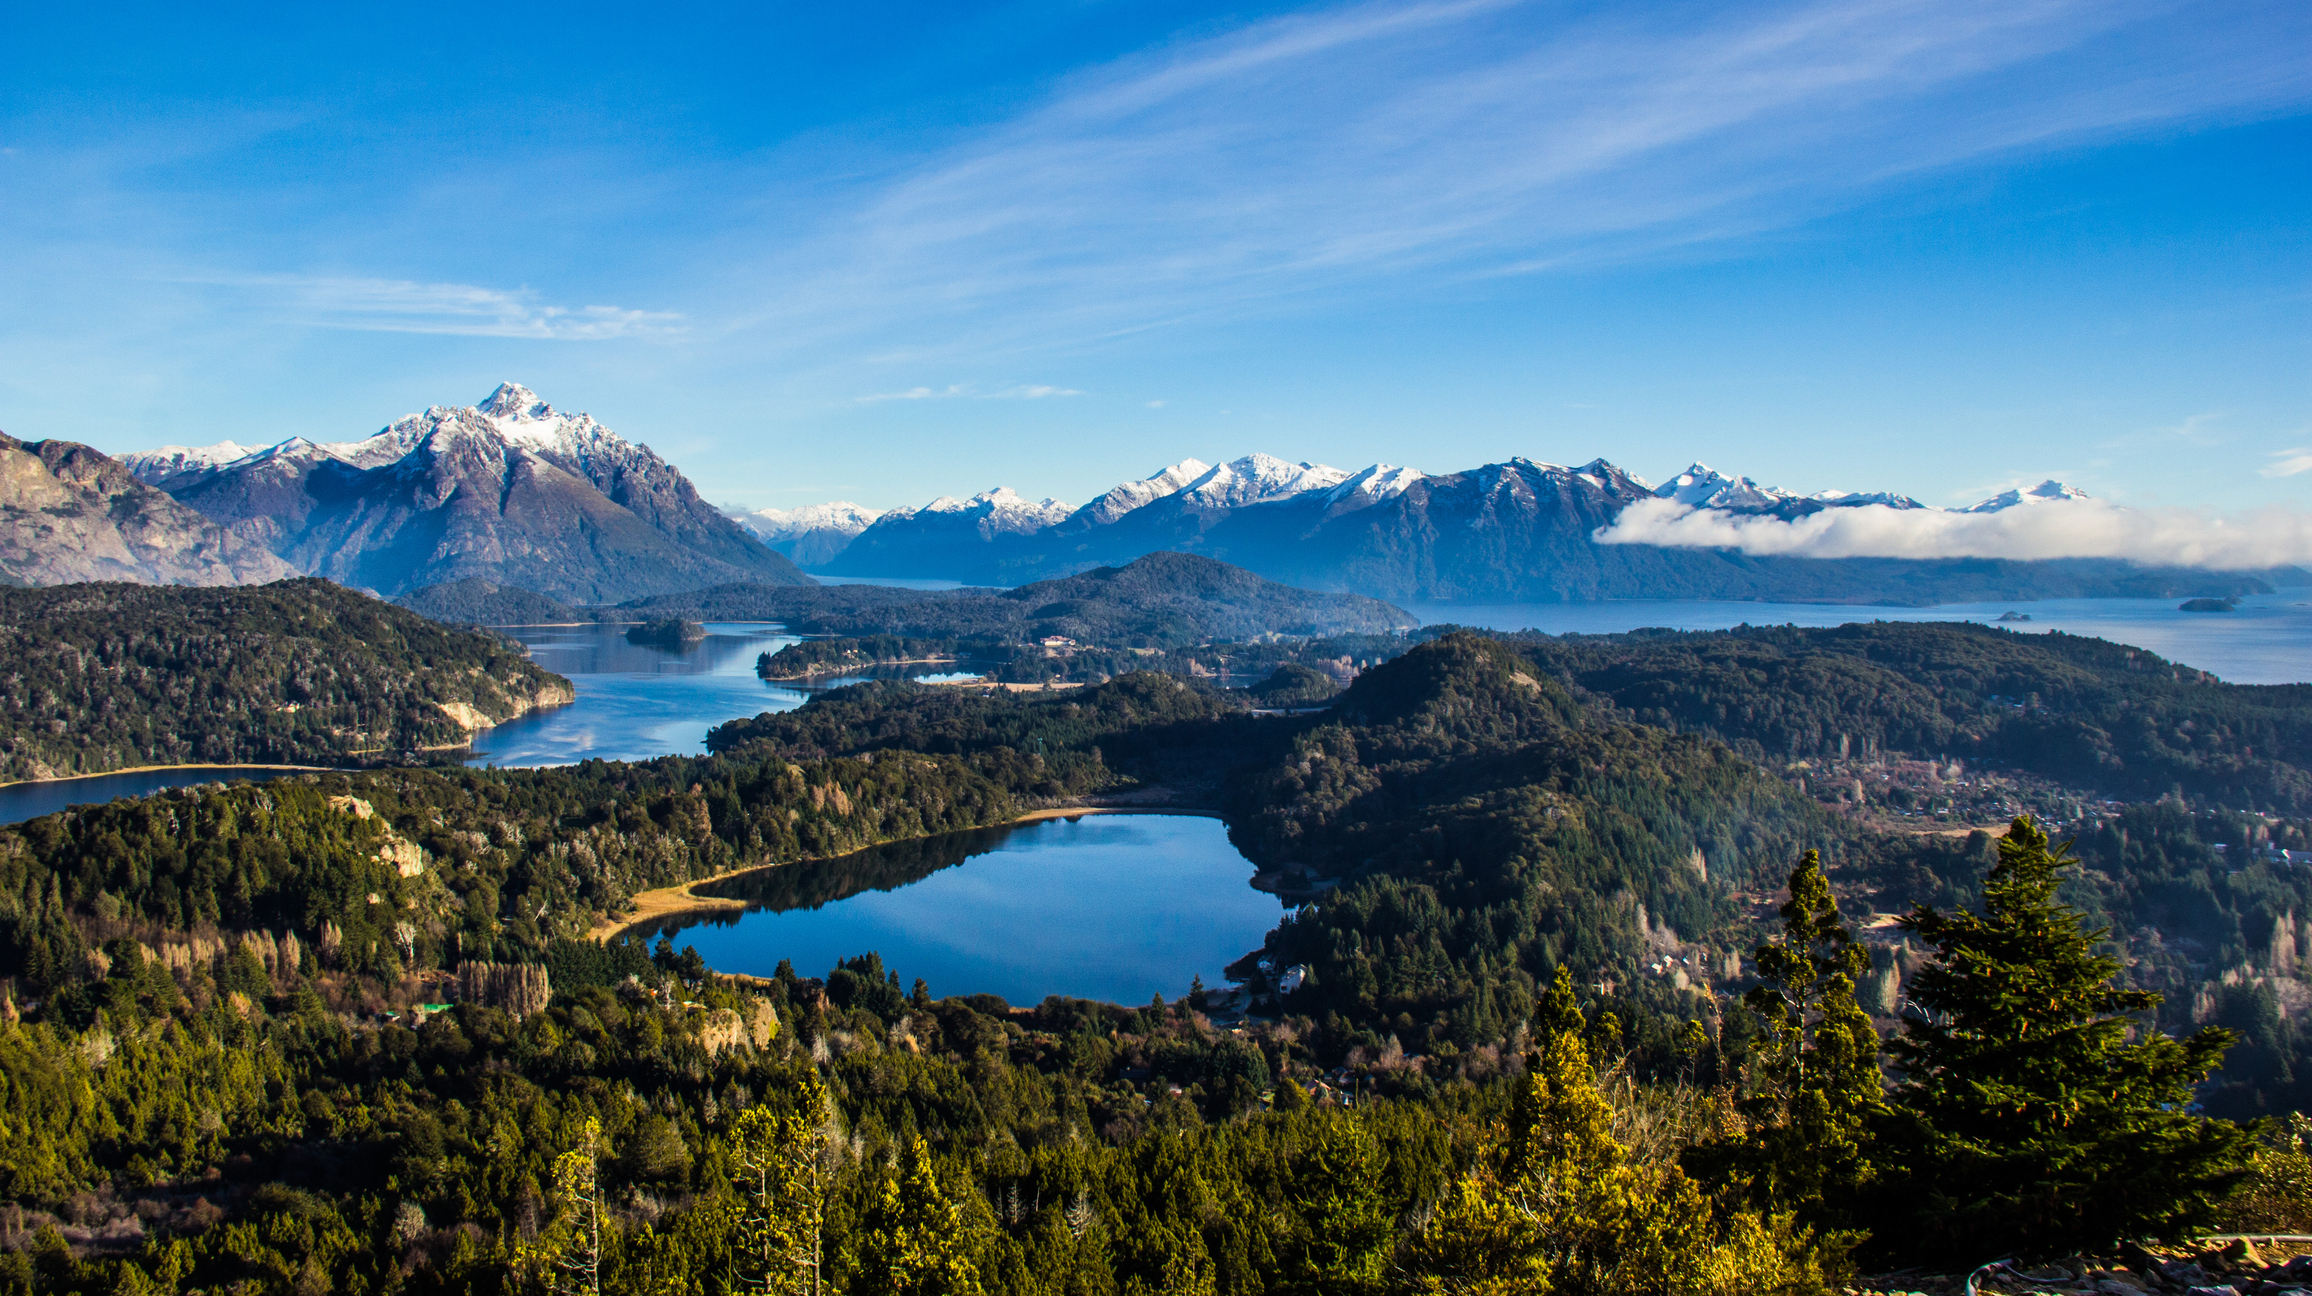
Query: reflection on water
[[2267, 641], [1116, 907], [636, 702]]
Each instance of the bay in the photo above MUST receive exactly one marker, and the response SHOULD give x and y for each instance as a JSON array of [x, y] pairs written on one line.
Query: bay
[[22, 801], [1117, 907], [636, 702], [2267, 640]]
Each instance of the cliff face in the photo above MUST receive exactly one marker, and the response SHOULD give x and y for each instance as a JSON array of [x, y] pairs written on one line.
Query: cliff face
[[509, 491], [69, 513]]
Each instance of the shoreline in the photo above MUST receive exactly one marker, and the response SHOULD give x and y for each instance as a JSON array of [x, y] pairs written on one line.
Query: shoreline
[[194, 765], [666, 902]]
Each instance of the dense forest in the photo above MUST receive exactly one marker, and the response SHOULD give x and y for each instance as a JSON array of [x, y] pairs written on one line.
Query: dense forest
[[103, 677], [1165, 600], [1533, 910]]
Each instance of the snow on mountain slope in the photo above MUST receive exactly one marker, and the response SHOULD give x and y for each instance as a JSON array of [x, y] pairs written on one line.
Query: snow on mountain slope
[[1257, 479], [2046, 492], [1371, 486], [155, 466], [1130, 495], [999, 512], [785, 524]]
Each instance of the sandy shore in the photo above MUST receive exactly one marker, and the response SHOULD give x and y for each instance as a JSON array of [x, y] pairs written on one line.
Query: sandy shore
[[665, 902]]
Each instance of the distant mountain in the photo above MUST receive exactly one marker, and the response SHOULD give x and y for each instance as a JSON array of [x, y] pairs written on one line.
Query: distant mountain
[[907, 542], [509, 491], [1519, 531], [69, 514], [808, 535]]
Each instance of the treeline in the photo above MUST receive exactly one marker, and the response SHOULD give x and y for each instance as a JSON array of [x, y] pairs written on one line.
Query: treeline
[[103, 677]]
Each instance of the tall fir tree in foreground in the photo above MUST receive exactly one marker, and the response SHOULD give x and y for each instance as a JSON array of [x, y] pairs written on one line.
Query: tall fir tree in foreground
[[1815, 1087], [2036, 1118]]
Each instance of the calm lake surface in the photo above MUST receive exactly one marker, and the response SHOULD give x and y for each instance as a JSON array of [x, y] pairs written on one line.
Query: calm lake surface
[[634, 702], [22, 801], [1115, 907], [2268, 640]]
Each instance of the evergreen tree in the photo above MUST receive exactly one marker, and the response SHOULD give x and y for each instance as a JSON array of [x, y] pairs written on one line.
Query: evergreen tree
[[781, 1164], [2029, 1123], [915, 1239], [1816, 1086]]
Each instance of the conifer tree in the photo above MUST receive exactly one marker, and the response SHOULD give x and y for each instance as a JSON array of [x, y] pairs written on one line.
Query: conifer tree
[[914, 1239], [1816, 1081], [2029, 1123], [781, 1167], [577, 1257]]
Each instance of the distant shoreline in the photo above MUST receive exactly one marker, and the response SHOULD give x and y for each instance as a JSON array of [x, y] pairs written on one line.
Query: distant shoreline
[[196, 765], [666, 902]]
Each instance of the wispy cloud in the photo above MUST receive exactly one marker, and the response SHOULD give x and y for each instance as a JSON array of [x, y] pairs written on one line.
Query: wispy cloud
[[2270, 537], [1313, 153], [967, 391], [404, 306], [2287, 463]]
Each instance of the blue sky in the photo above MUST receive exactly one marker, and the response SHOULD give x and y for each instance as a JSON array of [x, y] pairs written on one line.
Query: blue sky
[[883, 252]]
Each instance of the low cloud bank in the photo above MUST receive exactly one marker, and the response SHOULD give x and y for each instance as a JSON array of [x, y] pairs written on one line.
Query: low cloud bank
[[2270, 537]]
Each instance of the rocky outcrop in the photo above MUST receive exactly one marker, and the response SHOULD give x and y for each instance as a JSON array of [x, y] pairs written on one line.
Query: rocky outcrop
[[70, 514]]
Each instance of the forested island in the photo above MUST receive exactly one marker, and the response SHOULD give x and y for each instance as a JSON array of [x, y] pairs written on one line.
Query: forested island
[[1542, 1029], [299, 672]]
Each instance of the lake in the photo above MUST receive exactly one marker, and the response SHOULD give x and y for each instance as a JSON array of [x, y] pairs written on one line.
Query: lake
[[1112, 906], [2268, 640], [634, 702]]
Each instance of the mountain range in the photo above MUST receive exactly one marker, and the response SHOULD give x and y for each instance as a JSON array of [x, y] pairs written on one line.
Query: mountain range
[[510, 490], [1519, 531]]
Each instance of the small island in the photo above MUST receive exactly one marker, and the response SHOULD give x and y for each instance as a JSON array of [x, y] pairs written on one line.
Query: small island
[[2209, 605], [667, 632], [2014, 616]]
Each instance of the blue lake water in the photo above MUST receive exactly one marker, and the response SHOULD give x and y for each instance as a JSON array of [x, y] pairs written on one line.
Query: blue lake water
[[1115, 907], [2268, 640], [22, 801], [636, 702]]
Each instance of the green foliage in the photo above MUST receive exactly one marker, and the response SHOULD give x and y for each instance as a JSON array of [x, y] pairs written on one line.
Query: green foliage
[[2084, 711], [1815, 1072], [299, 672], [2028, 1122]]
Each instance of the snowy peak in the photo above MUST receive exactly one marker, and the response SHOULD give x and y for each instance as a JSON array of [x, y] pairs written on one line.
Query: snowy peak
[[1130, 495], [156, 466], [1257, 479], [1702, 486], [1371, 486], [514, 401], [840, 516], [1000, 511], [2046, 492]]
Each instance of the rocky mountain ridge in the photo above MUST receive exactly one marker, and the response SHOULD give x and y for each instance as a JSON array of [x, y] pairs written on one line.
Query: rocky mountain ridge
[[1522, 531], [509, 490], [69, 513]]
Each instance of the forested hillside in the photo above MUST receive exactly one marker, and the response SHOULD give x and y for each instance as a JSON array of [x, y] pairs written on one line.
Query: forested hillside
[[2088, 712], [299, 672], [1530, 916]]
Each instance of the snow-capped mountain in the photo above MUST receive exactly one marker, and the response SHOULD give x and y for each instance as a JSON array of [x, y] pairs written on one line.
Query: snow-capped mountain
[[155, 466], [2046, 492], [1516, 531], [1701, 486], [1258, 479], [995, 512], [811, 534], [1130, 495], [510, 490]]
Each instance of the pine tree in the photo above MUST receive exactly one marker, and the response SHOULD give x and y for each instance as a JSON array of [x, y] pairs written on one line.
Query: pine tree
[[915, 1240], [577, 1234], [781, 1165], [1816, 1086], [2029, 1123]]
